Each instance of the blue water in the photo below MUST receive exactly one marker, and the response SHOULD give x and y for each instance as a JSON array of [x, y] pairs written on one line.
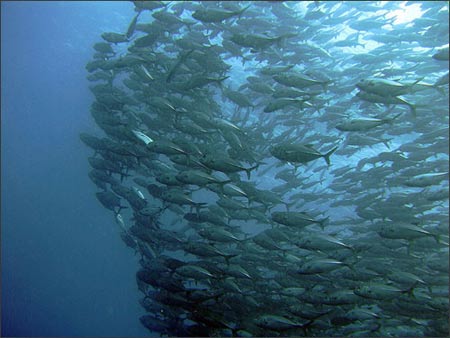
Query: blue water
[[65, 270]]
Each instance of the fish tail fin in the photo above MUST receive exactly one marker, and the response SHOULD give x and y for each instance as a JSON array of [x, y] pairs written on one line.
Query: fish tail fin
[[122, 175], [439, 89], [440, 239], [198, 206], [189, 24], [221, 184], [410, 290], [221, 79], [413, 109], [392, 119], [280, 40], [219, 82], [417, 81], [241, 11], [248, 170], [289, 205], [323, 221], [437, 238], [120, 209], [327, 155], [305, 327], [228, 257], [325, 84]]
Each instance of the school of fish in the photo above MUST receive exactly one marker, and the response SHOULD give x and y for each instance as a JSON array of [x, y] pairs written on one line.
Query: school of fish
[[279, 168]]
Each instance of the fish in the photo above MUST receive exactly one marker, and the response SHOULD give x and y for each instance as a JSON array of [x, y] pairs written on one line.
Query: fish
[[211, 116], [110, 201], [362, 124], [321, 242], [193, 271], [279, 323], [298, 80], [199, 178], [181, 198], [114, 37], [284, 102], [225, 164], [299, 153], [258, 41], [370, 97], [198, 81], [103, 47], [406, 231], [132, 26], [443, 80], [216, 15], [141, 136], [442, 54], [181, 59], [384, 87], [206, 250], [320, 265], [425, 180], [380, 291], [218, 235], [148, 5], [295, 219]]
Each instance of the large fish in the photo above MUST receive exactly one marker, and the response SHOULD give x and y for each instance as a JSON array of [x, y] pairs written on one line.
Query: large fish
[[362, 124], [295, 219], [216, 15], [442, 54], [114, 37], [425, 180], [258, 41], [375, 98], [279, 323], [385, 87], [298, 80], [110, 201], [299, 153], [225, 164]]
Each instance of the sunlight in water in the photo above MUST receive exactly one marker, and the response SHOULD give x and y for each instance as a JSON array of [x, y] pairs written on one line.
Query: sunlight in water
[[406, 13]]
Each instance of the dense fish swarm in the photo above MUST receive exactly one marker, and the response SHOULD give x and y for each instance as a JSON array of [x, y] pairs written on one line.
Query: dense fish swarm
[[281, 168]]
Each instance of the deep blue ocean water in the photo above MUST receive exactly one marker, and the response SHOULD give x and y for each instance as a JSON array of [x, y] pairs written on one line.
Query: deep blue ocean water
[[65, 270]]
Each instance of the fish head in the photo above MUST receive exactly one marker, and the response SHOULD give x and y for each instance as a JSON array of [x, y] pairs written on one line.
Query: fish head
[[199, 15], [182, 177], [191, 217], [279, 216], [365, 84], [275, 151], [155, 190]]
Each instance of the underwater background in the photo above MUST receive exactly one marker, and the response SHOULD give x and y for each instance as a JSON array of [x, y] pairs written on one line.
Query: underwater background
[[65, 270]]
